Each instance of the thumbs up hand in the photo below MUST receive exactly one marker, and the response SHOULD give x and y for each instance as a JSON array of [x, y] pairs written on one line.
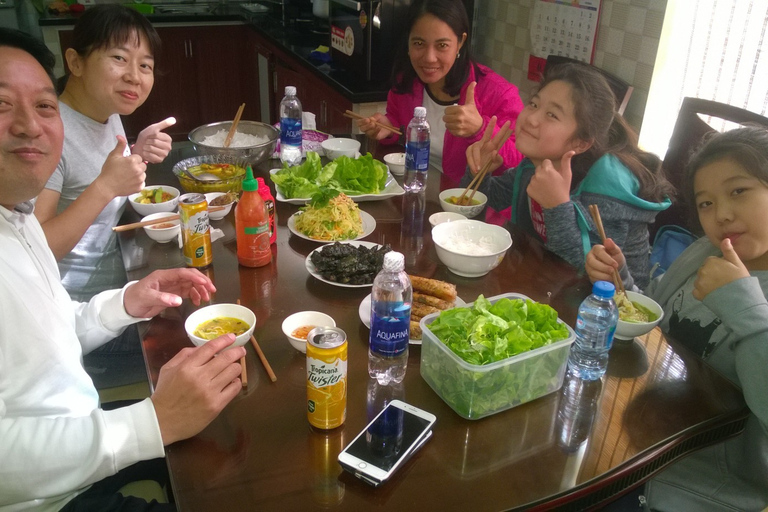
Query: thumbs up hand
[[152, 144], [464, 120], [121, 175], [551, 186], [717, 272]]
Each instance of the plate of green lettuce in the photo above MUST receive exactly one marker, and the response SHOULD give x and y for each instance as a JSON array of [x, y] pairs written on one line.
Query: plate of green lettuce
[[363, 178], [494, 354]]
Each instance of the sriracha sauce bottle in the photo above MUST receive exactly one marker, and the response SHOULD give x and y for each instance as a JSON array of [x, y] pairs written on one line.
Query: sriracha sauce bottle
[[252, 225]]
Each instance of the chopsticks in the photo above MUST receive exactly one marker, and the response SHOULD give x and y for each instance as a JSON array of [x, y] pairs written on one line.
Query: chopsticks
[[233, 129], [354, 115], [506, 132], [128, 227], [262, 357], [595, 212]]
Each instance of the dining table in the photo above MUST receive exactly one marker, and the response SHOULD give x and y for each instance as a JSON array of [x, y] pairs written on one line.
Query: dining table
[[576, 448]]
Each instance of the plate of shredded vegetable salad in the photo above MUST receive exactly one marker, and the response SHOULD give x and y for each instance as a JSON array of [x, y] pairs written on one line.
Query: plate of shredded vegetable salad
[[368, 222]]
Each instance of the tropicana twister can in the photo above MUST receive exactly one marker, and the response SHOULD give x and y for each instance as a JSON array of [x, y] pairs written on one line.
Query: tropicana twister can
[[326, 377], [195, 230]]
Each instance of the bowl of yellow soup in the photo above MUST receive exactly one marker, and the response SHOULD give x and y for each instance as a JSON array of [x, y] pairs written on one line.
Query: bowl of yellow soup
[[216, 320], [637, 315], [229, 172], [449, 201]]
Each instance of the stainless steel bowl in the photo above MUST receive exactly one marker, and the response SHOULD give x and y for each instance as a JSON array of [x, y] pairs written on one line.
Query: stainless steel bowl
[[251, 154]]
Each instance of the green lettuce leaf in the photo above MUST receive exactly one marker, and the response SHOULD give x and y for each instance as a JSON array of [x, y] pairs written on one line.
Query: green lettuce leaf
[[353, 176]]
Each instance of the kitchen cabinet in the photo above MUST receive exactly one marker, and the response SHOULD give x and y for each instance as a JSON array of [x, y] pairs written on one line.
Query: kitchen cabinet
[[201, 76], [315, 95]]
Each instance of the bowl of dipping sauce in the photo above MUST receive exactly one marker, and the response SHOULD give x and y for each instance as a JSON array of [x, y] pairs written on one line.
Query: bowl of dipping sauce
[[449, 202], [396, 163], [163, 232], [296, 327], [470, 248], [336, 147], [225, 199], [216, 320], [440, 217]]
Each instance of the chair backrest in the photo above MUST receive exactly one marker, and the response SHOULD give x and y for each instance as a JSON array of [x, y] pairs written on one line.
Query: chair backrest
[[621, 89], [690, 129]]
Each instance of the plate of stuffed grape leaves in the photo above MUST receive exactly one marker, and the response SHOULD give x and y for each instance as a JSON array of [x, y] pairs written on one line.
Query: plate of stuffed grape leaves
[[352, 264]]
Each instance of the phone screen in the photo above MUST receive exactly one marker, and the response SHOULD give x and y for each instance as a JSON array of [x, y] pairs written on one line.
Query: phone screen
[[388, 437]]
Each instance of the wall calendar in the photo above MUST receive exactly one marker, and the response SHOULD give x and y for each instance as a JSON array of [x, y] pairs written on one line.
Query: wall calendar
[[560, 27]]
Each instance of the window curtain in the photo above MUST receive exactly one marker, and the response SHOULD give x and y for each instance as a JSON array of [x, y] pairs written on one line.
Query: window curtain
[[710, 49]]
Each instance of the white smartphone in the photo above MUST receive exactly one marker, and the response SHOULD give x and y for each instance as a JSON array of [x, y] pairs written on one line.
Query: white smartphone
[[394, 435]]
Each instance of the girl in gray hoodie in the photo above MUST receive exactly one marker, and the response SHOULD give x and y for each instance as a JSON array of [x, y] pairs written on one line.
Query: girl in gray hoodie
[[714, 301]]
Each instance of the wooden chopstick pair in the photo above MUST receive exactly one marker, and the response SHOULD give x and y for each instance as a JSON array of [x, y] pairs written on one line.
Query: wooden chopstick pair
[[354, 115], [233, 128], [595, 212], [128, 227], [506, 132], [262, 357]]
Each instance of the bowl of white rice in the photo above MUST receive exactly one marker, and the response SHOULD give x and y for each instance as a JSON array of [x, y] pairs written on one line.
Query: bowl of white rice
[[470, 248], [252, 143]]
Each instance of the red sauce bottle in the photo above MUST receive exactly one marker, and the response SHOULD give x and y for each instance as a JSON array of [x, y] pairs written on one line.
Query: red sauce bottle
[[266, 195], [252, 225]]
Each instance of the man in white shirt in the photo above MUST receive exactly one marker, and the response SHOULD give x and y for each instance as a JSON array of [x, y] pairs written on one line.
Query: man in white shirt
[[56, 444]]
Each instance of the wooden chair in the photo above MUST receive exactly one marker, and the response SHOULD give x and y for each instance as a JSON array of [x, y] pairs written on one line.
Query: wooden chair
[[690, 129], [621, 89]]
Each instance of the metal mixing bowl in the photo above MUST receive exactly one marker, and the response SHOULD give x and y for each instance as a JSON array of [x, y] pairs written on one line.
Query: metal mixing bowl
[[251, 154]]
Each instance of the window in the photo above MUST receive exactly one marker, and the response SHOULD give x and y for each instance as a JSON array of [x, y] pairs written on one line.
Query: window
[[710, 49]]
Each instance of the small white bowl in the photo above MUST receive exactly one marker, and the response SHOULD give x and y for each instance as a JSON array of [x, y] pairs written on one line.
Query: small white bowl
[[301, 319], [475, 233], [628, 330], [440, 217], [218, 214], [149, 208], [467, 211], [220, 310], [396, 163], [336, 147], [161, 234]]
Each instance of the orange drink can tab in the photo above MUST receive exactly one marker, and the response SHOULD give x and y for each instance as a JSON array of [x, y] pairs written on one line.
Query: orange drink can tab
[[195, 230], [326, 377]]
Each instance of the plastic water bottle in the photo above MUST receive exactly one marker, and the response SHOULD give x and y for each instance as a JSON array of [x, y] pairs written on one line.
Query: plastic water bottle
[[595, 325], [290, 127], [390, 321], [417, 151]]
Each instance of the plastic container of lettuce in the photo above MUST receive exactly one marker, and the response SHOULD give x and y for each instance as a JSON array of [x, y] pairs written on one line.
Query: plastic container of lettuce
[[475, 391]]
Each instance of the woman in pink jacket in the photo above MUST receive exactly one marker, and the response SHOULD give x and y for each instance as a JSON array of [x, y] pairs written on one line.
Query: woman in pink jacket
[[434, 68]]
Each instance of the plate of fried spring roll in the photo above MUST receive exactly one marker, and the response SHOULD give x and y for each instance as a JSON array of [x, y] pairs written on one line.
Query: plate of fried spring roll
[[429, 296]]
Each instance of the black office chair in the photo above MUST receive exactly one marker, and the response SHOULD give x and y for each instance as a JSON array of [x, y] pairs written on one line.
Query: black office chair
[[690, 129], [621, 89]]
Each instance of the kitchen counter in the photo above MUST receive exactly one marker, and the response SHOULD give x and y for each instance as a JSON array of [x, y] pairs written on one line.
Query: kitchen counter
[[298, 43]]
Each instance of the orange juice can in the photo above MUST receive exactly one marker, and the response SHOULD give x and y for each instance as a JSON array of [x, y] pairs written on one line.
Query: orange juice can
[[326, 377], [195, 230]]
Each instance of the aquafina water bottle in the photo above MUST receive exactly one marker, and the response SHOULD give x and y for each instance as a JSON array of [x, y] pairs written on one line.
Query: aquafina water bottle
[[417, 151], [290, 127], [595, 325], [390, 321]]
